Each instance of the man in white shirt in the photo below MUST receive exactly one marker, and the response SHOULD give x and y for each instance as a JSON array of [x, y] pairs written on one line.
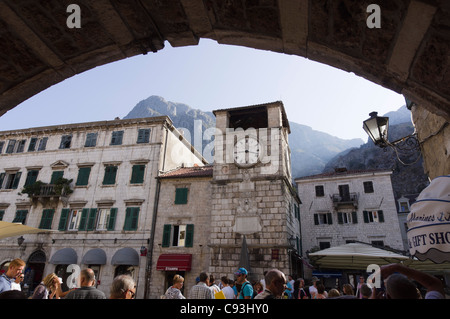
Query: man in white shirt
[[227, 290]]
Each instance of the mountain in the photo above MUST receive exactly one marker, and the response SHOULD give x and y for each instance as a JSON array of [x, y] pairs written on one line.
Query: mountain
[[310, 149], [406, 179]]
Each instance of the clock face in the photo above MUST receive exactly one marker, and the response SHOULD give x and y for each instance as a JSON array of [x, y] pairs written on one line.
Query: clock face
[[246, 152]]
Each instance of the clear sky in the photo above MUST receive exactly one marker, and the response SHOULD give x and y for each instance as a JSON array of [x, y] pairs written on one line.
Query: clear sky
[[208, 77]]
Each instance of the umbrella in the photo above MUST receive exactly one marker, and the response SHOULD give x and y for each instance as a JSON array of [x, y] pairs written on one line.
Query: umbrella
[[16, 229], [429, 222], [354, 256]]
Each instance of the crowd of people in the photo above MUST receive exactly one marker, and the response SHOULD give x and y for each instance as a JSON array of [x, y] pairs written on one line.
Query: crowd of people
[[122, 287], [399, 283]]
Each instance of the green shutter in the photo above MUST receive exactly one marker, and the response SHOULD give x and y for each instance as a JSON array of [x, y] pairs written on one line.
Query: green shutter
[[110, 175], [20, 217], [2, 213], [181, 196], [55, 176], [16, 180], [189, 242], [112, 219], [316, 219], [137, 174], [91, 219], [2, 177], [340, 219], [366, 216], [329, 219], [31, 177], [83, 220], [47, 218], [83, 176], [63, 220], [380, 216], [131, 218], [354, 217], [166, 235]]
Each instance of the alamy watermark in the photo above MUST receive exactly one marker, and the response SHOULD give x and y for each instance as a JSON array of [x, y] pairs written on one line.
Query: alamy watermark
[[74, 19]]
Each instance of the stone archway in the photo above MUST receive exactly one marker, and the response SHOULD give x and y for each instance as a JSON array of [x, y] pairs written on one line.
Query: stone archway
[[407, 54]]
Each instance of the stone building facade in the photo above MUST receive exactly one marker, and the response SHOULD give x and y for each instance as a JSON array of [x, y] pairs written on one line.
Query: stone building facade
[[254, 215], [182, 229], [142, 201], [345, 206], [105, 222]]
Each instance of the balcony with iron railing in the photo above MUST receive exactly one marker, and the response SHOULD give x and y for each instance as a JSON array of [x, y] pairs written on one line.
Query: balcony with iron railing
[[42, 192], [348, 200]]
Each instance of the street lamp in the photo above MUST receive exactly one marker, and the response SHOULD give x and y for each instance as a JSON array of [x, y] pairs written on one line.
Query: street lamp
[[377, 127], [20, 240]]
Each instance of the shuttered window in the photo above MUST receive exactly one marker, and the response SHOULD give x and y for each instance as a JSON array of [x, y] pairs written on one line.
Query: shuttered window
[[143, 136], [21, 216], [31, 177], [47, 218], [83, 176], [131, 218], [181, 196], [181, 235], [63, 220], [137, 174], [110, 175]]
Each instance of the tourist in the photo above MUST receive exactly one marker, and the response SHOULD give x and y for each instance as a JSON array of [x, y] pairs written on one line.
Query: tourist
[[227, 290], [275, 285], [202, 290], [15, 268], [49, 288], [246, 290], [321, 293], [123, 287], [398, 286], [174, 291], [87, 290], [313, 288]]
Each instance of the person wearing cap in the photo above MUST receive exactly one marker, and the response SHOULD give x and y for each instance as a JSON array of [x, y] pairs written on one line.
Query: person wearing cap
[[313, 288], [246, 291]]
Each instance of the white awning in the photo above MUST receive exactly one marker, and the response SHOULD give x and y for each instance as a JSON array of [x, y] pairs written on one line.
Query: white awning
[[354, 256]]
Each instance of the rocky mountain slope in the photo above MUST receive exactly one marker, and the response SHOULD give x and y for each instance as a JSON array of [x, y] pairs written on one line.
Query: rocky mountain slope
[[310, 149]]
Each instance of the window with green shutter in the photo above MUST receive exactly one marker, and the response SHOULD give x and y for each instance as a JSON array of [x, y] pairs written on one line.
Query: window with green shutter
[[83, 176], [55, 176], [91, 219], [143, 136], [189, 242], [83, 219], [137, 174], [63, 220], [116, 138], [31, 177], [110, 175], [2, 213], [181, 196], [21, 216], [131, 218], [166, 235], [47, 218], [112, 219], [91, 140]]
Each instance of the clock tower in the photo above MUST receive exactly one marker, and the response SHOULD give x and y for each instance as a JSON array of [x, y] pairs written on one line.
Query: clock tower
[[254, 217]]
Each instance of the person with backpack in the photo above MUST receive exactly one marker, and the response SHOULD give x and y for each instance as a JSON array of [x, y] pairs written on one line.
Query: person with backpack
[[246, 291]]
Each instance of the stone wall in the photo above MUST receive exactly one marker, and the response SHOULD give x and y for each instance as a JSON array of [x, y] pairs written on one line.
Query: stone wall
[[433, 133]]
